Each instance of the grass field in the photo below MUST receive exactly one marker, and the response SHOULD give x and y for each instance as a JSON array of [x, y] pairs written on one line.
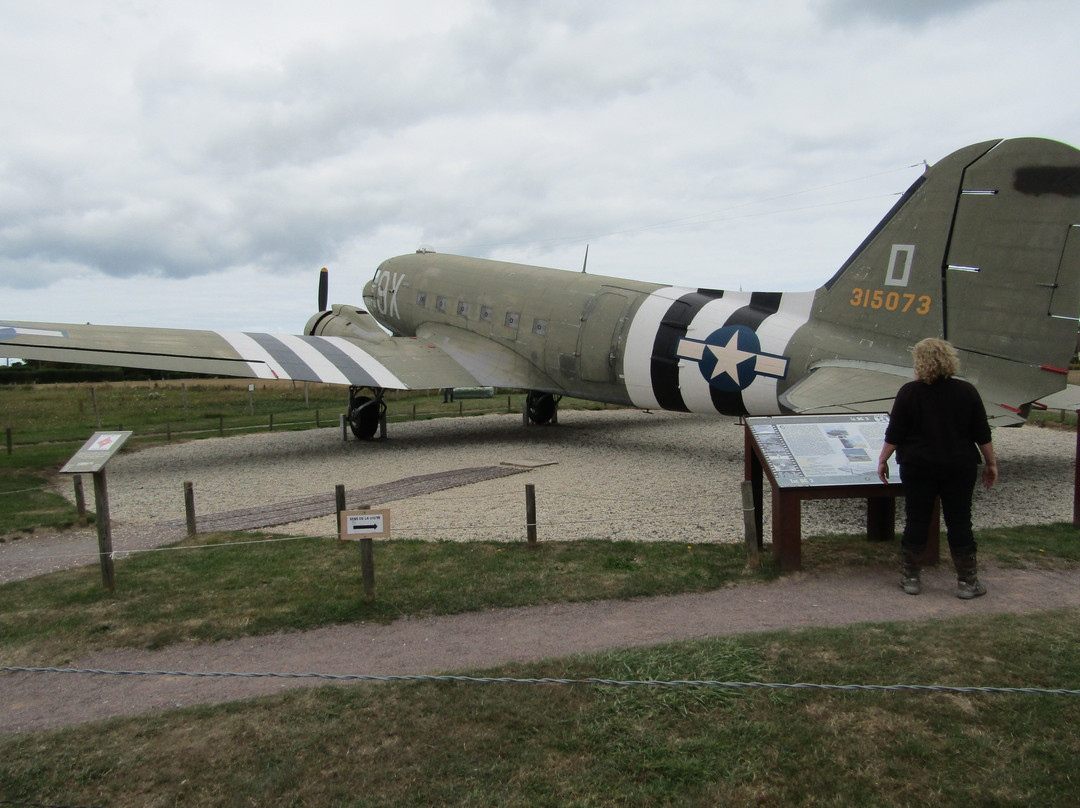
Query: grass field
[[421, 744], [69, 413]]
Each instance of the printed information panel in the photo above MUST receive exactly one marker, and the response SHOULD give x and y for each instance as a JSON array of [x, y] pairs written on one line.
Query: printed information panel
[[95, 453], [823, 450]]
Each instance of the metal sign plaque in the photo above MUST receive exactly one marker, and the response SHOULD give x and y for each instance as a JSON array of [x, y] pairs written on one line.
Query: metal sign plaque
[[95, 453], [822, 450]]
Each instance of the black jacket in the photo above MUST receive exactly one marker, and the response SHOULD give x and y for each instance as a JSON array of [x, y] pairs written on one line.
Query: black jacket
[[942, 423]]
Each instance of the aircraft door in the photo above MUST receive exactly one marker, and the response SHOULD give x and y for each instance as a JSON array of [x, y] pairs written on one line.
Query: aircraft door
[[602, 331]]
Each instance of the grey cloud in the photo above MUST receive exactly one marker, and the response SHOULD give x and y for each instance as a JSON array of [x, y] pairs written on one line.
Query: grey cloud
[[511, 124], [912, 13]]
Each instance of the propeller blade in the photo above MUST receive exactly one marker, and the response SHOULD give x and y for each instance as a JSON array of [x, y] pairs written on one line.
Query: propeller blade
[[324, 288]]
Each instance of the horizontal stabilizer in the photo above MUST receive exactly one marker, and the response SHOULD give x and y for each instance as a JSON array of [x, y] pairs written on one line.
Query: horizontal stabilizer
[[1067, 399], [866, 387], [847, 387]]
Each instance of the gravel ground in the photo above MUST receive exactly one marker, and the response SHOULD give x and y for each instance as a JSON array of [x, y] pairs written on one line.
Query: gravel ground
[[617, 474], [621, 474]]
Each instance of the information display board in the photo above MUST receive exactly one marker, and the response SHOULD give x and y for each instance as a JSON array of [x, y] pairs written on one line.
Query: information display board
[[822, 450], [95, 453]]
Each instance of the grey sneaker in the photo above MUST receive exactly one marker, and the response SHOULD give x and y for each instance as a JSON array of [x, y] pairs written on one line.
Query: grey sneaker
[[911, 583], [966, 590]]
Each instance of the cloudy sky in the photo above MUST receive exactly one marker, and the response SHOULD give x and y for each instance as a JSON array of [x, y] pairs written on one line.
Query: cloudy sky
[[194, 164]]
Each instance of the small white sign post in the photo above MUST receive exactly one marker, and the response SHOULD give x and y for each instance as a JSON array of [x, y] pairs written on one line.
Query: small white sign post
[[363, 526]]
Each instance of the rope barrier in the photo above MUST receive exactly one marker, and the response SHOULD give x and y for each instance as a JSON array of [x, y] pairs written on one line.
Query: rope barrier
[[214, 546], [92, 555], [358, 677]]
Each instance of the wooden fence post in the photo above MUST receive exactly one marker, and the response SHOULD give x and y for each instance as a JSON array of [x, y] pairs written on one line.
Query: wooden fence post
[[97, 416], [1076, 476], [367, 568], [9, 446], [104, 531], [339, 506], [530, 513], [189, 508], [367, 565], [750, 525], [80, 500]]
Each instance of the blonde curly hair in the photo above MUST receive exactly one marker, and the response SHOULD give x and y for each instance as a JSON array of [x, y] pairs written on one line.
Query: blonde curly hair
[[935, 359]]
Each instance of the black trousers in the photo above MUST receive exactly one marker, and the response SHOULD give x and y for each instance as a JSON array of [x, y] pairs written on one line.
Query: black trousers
[[955, 485]]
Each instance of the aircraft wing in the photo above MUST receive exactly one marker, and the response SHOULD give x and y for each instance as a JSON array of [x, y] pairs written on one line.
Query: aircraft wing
[[384, 361], [868, 387]]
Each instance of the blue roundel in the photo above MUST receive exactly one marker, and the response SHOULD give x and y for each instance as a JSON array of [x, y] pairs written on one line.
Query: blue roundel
[[729, 358]]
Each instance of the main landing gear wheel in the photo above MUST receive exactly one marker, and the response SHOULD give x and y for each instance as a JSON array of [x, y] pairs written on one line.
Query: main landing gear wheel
[[541, 407], [365, 414]]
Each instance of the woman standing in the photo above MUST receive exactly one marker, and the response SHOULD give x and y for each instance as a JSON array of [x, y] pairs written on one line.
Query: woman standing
[[937, 422]]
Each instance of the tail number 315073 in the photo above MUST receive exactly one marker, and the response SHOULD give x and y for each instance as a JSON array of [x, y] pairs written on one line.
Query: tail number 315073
[[890, 301]]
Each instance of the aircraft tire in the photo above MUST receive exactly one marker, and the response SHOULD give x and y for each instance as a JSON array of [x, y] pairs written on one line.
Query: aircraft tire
[[540, 407], [364, 417]]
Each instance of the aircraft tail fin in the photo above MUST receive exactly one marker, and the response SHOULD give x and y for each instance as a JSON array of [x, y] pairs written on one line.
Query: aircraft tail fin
[[983, 250]]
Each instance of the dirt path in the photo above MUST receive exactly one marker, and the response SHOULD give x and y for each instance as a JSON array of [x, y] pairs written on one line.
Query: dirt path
[[476, 641]]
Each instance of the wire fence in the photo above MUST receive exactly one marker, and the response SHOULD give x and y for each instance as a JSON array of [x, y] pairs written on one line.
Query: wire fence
[[26, 490], [647, 683], [306, 418]]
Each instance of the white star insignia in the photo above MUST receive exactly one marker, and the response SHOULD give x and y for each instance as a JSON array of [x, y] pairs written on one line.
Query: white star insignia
[[729, 357]]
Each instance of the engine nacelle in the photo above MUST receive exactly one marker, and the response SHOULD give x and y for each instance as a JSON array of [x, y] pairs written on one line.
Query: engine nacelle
[[345, 321]]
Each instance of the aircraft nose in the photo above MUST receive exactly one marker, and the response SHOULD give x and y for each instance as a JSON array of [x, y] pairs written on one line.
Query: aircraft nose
[[371, 287]]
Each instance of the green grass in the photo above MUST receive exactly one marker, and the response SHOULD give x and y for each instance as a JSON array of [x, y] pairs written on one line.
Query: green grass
[[26, 504], [40, 413], [422, 744], [223, 592], [1054, 419], [232, 585], [66, 413], [1053, 545]]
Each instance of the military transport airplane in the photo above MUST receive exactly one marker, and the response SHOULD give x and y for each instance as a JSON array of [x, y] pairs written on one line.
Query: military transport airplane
[[983, 250]]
